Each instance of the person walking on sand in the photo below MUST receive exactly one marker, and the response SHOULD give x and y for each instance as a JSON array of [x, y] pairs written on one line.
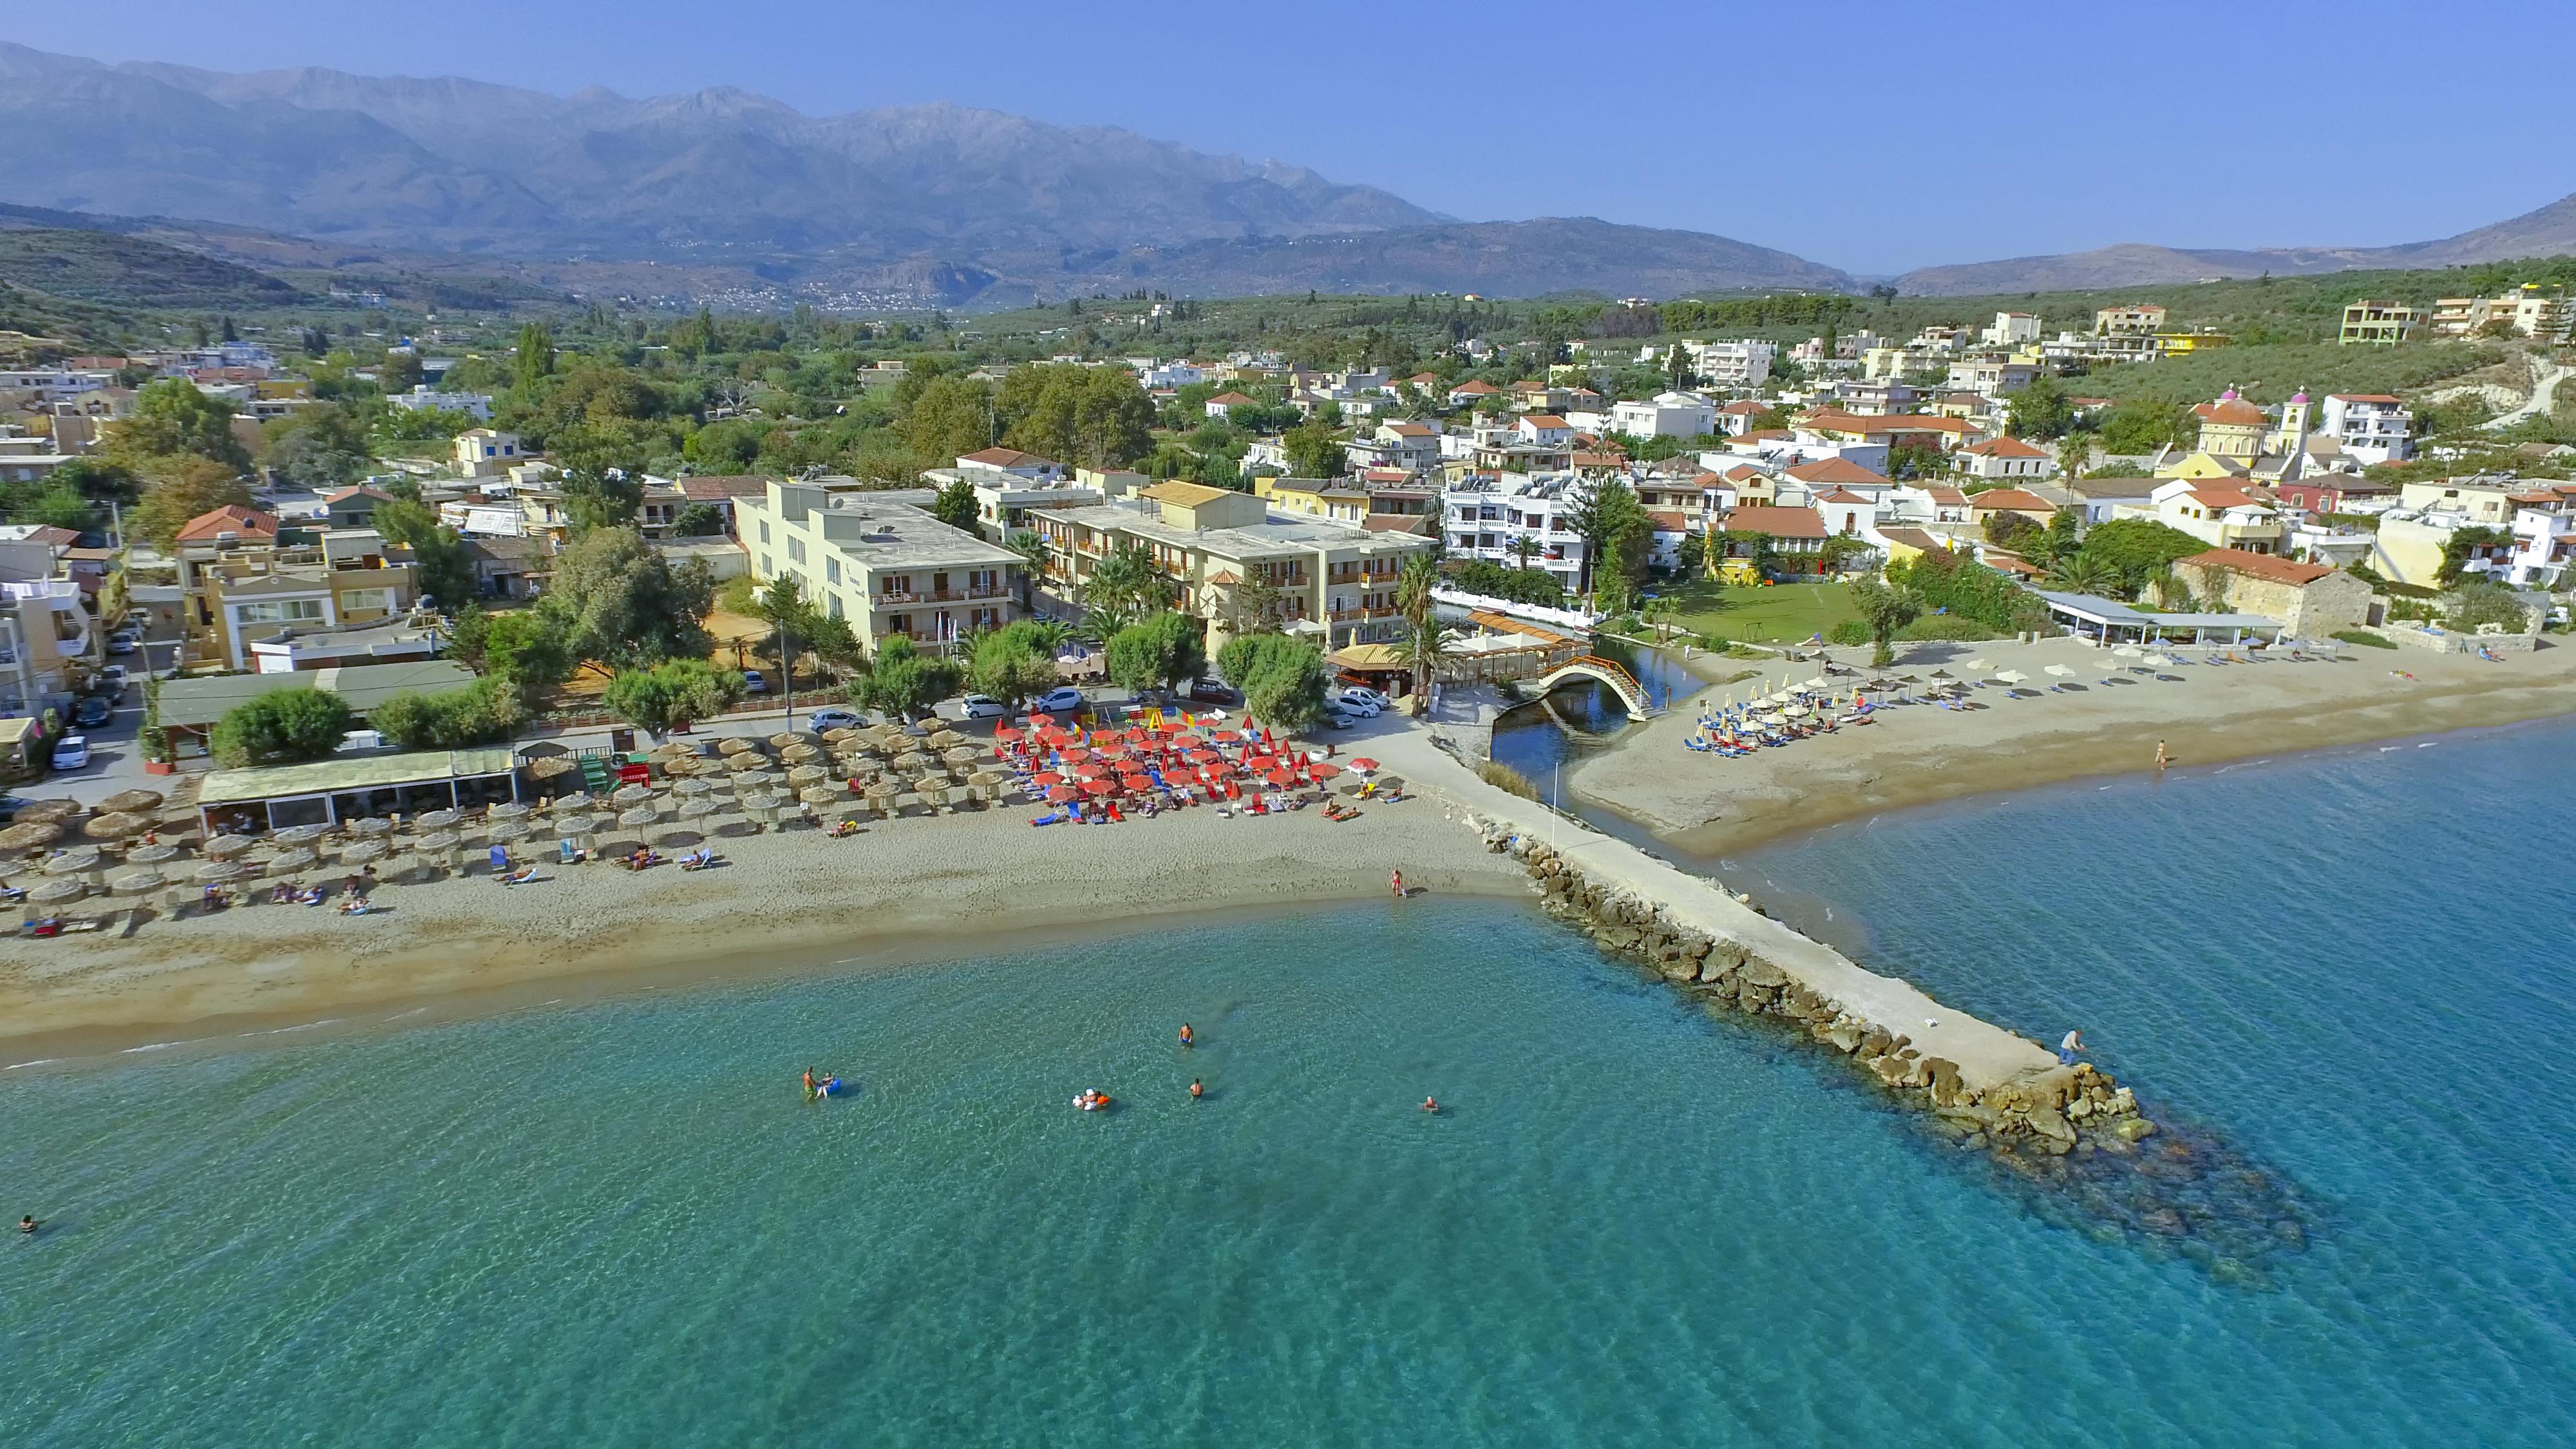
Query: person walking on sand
[[2066, 1049], [1399, 885], [2162, 759]]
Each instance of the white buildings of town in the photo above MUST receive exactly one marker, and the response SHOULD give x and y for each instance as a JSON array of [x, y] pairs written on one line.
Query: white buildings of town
[[2370, 427]]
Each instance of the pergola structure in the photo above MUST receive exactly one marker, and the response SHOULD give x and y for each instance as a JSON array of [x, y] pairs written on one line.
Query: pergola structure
[[328, 792]]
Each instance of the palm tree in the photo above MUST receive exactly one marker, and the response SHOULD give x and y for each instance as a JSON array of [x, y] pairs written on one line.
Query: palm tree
[[1413, 586], [1524, 548], [1423, 649], [1033, 548], [2077, 574], [2074, 453], [1660, 613]]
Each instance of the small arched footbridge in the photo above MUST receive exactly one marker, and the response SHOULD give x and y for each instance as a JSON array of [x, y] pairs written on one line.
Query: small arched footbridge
[[1620, 681]]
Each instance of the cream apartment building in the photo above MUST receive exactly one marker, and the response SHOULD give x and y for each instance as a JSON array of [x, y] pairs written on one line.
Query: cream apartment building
[[887, 567]]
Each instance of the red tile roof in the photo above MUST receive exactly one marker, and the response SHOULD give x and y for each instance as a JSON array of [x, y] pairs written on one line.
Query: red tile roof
[[2013, 500], [1834, 470], [1777, 522], [1476, 385], [1545, 420], [2004, 448], [2224, 498], [231, 518], [718, 487], [1230, 399], [1008, 458]]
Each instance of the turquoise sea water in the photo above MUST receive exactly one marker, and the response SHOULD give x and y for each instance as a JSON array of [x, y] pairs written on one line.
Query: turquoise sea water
[[616, 1224]]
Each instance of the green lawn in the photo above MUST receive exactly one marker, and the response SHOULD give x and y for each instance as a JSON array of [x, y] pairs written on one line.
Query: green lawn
[[1775, 614]]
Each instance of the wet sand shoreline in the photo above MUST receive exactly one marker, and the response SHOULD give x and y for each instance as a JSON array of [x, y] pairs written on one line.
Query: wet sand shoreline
[[1919, 755]]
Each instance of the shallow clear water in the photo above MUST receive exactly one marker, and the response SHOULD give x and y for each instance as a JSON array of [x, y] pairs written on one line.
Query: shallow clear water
[[617, 1224]]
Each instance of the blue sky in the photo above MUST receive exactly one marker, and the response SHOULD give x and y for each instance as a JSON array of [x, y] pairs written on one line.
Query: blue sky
[[1872, 137]]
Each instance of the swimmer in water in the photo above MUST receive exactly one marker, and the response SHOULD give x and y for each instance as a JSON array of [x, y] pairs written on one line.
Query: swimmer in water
[[1196, 1091], [1431, 1105], [1188, 1037], [28, 1223]]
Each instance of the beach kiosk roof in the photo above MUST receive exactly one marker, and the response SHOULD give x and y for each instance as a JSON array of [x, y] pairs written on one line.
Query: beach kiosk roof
[[330, 791], [2110, 619], [195, 703]]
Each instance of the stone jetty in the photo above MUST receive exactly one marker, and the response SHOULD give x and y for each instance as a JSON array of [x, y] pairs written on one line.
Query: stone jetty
[[1988, 1086]]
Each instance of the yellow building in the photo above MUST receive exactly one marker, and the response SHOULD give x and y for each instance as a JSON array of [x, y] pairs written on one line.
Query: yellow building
[[2378, 324], [2232, 427], [1314, 497]]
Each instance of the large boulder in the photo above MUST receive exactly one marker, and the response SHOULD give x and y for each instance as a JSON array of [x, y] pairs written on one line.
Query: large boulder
[[1762, 973]]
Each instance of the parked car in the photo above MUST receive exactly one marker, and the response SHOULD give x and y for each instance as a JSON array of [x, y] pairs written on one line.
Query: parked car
[[753, 682], [1211, 691], [124, 641], [1060, 699], [93, 710], [980, 706], [111, 680], [834, 719], [1365, 703], [1335, 718], [71, 752], [1362, 691]]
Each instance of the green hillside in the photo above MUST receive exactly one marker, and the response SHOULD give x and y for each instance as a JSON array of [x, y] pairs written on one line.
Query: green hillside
[[125, 271]]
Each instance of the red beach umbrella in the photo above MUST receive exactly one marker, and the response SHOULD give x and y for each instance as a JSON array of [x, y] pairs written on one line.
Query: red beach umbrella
[[1076, 756], [1091, 769], [1049, 777], [1202, 757], [1364, 765], [1322, 771], [1226, 737], [1136, 784], [1062, 793], [1281, 777], [1099, 787], [1006, 734], [1038, 720], [1218, 770]]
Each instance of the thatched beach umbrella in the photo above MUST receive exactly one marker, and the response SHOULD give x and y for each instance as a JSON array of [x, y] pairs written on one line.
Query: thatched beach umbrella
[[798, 750], [79, 860], [739, 744], [697, 810], [821, 795], [374, 827], [287, 862], [132, 802], [227, 847], [2061, 671], [438, 841], [299, 834], [152, 854], [438, 819], [508, 832], [516, 809], [138, 883], [115, 826], [631, 794], [216, 872], [54, 812], [365, 852], [29, 835], [639, 816], [804, 775], [58, 892]]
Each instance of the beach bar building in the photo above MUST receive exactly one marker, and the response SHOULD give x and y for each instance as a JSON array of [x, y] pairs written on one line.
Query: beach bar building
[[355, 787], [2109, 621]]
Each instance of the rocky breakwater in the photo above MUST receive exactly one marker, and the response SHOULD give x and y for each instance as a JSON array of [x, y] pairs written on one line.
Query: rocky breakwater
[[1987, 1086], [2072, 1135]]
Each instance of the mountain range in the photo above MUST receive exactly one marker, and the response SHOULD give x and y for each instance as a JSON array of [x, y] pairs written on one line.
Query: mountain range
[[935, 204]]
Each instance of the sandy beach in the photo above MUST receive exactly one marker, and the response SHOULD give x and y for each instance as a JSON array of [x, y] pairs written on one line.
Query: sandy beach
[[904, 889], [1921, 754]]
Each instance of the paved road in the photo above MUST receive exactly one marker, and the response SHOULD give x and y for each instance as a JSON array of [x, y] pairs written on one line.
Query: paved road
[[2543, 392]]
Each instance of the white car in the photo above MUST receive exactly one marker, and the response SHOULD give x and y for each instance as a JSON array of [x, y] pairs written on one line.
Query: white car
[[1367, 704], [980, 706], [1059, 700], [834, 719], [71, 752], [124, 641]]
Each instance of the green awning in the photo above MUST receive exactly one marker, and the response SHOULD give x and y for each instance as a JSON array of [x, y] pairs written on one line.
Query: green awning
[[357, 772]]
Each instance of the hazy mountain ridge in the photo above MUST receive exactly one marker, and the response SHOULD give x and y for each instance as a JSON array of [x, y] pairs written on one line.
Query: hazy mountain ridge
[[2545, 232], [974, 200]]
